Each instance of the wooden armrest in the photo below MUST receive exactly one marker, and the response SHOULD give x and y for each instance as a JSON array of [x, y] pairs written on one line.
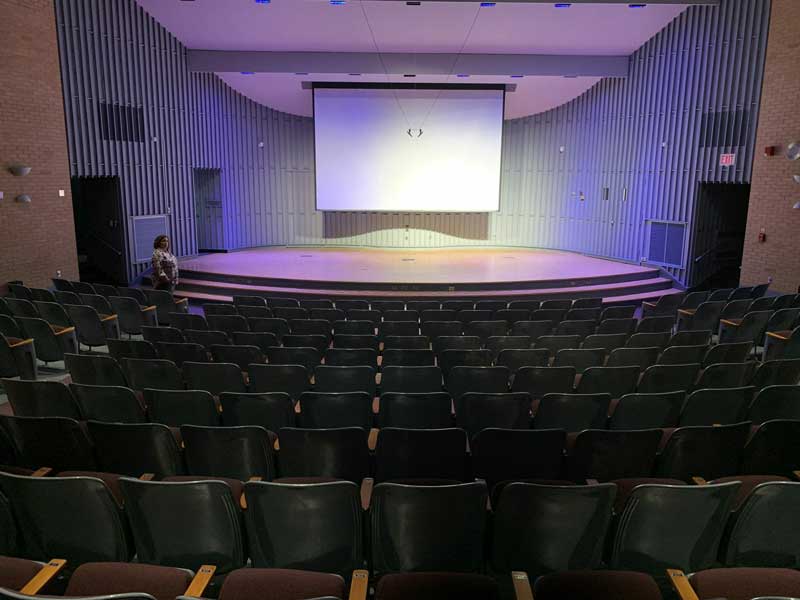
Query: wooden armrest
[[366, 492], [699, 481], [731, 322], [522, 586], [681, 584], [64, 331], [796, 474], [359, 585], [148, 308], [43, 577], [592, 482], [649, 304], [200, 581], [18, 343], [372, 440], [108, 318], [780, 335], [42, 472], [147, 476], [242, 499], [689, 312], [181, 300]]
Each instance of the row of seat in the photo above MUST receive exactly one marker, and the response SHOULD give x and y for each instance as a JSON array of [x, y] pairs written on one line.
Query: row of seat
[[535, 529], [494, 455]]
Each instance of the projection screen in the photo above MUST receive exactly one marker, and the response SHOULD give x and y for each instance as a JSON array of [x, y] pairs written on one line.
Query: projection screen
[[408, 149]]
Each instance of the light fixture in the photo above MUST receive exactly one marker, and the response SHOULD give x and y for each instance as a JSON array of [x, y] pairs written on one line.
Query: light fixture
[[637, 5], [247, 72], [793, 151], [487, 4], [24, 198], [562, 5], [796, 205], [19, 170], [796, 178]]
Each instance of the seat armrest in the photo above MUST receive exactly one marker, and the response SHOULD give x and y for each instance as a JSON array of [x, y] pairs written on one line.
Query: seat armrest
[[242, 499], [64, 331], [687, 311], [681, 584], [42, 472], [43, 577], [200, 581], [109, 318], [366, 492], [780, 335], [148, 308], [731, 322], [19, 343], [796, 475], [372, 440], [147, 476], [359, 585], [649, 304], [181, 300], [699, 481], [522, 585], [592, 482]]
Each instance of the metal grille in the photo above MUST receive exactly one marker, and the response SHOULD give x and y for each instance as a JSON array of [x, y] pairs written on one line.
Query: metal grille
[[666, 243], [145, 230]]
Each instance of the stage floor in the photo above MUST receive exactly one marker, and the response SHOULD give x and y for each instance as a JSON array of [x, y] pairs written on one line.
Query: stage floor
[[435, 266]]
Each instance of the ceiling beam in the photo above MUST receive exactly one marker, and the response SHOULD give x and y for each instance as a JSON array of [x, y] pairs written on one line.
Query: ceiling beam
[[370, 63]]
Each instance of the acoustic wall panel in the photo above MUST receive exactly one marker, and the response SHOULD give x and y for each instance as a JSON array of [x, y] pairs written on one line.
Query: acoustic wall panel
[[642, 137]]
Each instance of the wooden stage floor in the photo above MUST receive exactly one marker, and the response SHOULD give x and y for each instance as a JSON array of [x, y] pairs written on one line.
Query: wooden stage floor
[[444, 266]]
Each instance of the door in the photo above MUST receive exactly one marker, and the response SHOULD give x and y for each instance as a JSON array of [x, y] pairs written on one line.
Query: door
[[99, 229], [208, 210]]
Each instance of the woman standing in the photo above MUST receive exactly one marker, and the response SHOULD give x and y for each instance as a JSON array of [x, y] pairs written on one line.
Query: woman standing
[[165, 265]]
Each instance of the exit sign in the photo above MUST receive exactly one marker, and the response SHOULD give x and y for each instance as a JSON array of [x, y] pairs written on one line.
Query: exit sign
[[727, 160]]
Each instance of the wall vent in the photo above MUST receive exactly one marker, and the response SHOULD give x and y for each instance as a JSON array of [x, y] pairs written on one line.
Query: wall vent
[[726, 128], [666, 243], [121, 123], [145, 231]]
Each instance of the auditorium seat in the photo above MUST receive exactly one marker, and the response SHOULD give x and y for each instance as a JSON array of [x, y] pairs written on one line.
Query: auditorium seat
[[580, 328], [92, 328], [353, 328], [97, 302], [553, 315], [185, 321], [20, 291], [484, 330], [437, 329], [477, 410], [308, 357], [736, 352], [55, 442], [620, 326], [135, 581], [740, 293], [726, 375], [532, 329], [430, 410], [643, 358], [539, 381], [364, 314], [516, 358], [50, 342], [421, 454], [406, 342], [345, 379], [214, 377], [616, 381], [541, 529], [273, 303], [605, 455], [351, 357], [672, 527], [293, 340], [647, 411], [134, 449], [458, 305], [709, 406], [597, 585], [227, 323], [554, 343], [496, 344], [163, 334], [289, 312], [423, 305], [241, 452], [411, 379], [329, 314], [583, 314], [135, 293], [462, 358], [403, 357], [279, 327], [10, 327], [400, 315], [665, 306], [709, 452], [92, 369], [572, 412], [462, 379], [63, 297], [746, 583], [165, 304], [658, 339], [206, 338], [241, 356], [350, 340], [660, 379], [261, 340], [174, 408], [41, 399], [314, 527], [315, 327], [690, 338], [270, 410], [388, 328], [783, 371], [773, 449], [242, 300], [579, 359], [775, 402], [323, 453], [455, 342], [74, 518], [119, 349], [749, 328], [181, 352], [293, 379], [22, 308], [111, 404], [618, 312], [107, 291], [331, 410], [386, 305], [257, 312], [153, 373], [171, 537], [512, 315], [681, 355]]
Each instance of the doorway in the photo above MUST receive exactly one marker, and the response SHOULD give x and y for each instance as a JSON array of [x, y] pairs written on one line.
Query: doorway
[[208, 210], [720, 226], [99, 230]]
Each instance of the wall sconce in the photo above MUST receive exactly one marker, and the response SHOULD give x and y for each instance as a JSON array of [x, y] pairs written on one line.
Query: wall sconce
[[793, 151], [796, 205], [23, 198], [19, 170]]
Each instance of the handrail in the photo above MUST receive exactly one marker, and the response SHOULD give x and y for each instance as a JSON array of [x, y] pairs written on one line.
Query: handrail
[[105, 243], [706, 253]]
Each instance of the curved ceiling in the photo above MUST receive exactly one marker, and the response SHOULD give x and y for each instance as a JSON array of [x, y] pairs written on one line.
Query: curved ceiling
[[432, 27]]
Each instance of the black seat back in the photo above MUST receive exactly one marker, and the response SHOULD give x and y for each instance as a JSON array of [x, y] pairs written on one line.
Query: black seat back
[[476, 411], [110, 404], [41, 399], [607, 455], [708, 452], [330, 410], [136, 448], [774, 449], [271, 410], [339, 453], [233, 452], [94, 370], [54, 442], [403, 454], [174, 408], [572, 412], [415, 411]]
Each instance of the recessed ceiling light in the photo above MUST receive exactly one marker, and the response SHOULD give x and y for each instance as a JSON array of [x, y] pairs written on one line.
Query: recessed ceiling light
[[636, 5], [248, 72], [562, 5], [487, 4]]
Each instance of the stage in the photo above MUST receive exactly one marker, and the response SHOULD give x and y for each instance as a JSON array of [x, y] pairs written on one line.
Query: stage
[[346, 272]]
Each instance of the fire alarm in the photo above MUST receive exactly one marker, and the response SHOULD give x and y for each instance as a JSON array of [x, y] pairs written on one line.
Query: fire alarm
[[770, 151], [762, 235]]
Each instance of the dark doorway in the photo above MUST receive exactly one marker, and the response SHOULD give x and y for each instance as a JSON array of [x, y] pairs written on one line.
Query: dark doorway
[[99, 231], [719, 230], [208, 210]]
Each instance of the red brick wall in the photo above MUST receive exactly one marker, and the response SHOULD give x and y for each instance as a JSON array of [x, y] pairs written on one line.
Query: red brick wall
[[36, 239], [773, 190]]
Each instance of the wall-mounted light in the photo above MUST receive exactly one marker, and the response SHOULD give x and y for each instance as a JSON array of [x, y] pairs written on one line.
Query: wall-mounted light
[[19, 170], [581, 196], [793, 151], [796, 206], [24, 198]]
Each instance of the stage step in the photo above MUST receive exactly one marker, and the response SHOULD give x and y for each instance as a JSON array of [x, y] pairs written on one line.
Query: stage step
[[621, 292]]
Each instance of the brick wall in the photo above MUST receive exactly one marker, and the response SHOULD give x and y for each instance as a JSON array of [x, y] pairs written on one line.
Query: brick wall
[[773, 190], [36, 239]]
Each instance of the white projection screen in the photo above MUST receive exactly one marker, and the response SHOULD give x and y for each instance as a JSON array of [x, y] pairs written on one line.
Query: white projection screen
[[408, 149]]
